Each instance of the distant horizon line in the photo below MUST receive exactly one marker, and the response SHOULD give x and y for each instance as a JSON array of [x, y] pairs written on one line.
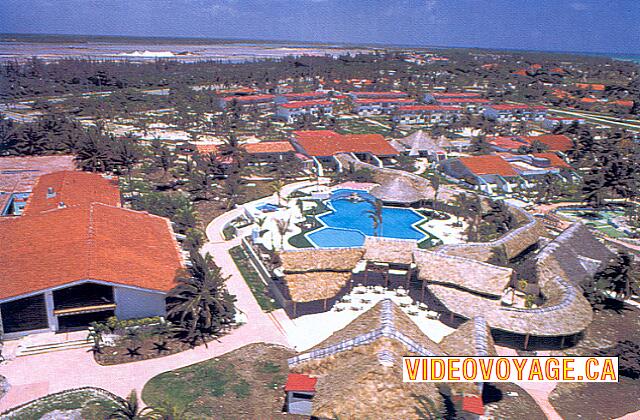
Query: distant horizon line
[[323, 43]]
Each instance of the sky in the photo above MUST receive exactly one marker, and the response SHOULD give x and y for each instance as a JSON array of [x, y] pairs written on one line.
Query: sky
[[611, 26]]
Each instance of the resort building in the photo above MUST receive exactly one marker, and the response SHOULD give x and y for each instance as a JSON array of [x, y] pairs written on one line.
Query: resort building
[[550, 142], [426, 114], [515, 112], [471, 105], [552, 122], [377, 106], [76, 256], [269, 151], [434, 97], [347, 368], [18, 174], [323, 145], [256, 100], [422, 144], [301, 96], [488, 172], [289, 111], [377, 95]]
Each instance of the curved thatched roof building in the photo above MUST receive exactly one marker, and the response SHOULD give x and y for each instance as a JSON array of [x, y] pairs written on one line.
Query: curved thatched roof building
[[462, 273], [473, 338], [576, 254], [566, 312], [388, 250]]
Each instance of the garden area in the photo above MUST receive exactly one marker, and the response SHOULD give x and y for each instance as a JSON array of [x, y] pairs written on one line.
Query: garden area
[[608, 334], [252, 278], [83, 403], [247, 383]]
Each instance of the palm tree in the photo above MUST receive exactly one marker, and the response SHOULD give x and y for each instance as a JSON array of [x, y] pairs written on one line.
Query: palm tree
[[283, 229], [276, 187], [93, 152], [375, 214], [129, 409], [200, 304], [260, 221], [435, 183]]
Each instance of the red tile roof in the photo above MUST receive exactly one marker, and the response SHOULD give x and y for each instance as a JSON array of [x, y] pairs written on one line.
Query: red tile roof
[[488, 165], [301, 383], [388, 94], [554, 160], [303, 95], [250, 98], [305, 104], [554, 142], [470, 403], [429, 108], [624, 103], [455, 95], [269, 147], [19, 174], [463, 101], [97, 242], [329, 143], [385, 100], [510, 143], [514, 107], [73, 188]]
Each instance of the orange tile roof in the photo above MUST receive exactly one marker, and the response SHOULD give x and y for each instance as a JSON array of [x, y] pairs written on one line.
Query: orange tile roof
[[387, 94], [463, 101], [624, 103], [505, 142], [554, 142], [329, 143], [488, 165], [384, 100], [73, 188], [306, 104], [302, 95], [554, 160], [429, 108], [250, 98], [269, 147], [97, 242]]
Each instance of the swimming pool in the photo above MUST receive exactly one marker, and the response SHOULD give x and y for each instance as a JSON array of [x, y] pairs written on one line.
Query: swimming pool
[[347, 223]]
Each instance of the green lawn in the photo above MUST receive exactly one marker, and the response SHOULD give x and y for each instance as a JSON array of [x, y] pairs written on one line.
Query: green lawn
[[252, 278], [91, 405], [246, 383]]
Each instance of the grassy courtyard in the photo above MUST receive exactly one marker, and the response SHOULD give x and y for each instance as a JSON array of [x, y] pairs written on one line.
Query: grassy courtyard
[[252, 278], [244, 384]]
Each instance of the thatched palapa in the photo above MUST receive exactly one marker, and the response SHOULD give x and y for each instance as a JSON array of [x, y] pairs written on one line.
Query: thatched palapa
[[318, 274], [463, 273], [396, 190], [388, 250], [473, 338]]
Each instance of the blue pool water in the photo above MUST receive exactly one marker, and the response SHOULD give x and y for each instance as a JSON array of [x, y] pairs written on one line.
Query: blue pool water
[[348, 222]]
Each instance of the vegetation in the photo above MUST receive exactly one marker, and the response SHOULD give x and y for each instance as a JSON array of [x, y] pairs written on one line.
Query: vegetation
[[252, 278], [200, 304], [618, 281]]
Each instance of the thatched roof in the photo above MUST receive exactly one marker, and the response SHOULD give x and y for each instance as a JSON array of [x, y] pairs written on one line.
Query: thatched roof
[[576, 254], [396, 190], [464, 273], [316, 285], [330, 259], [360, 387], [421, 141], [566, 311], [473, 338], [512, 243], [359, 368], [399, 251]]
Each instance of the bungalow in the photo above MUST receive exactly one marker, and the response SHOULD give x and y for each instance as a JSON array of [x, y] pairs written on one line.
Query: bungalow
[[552, 122], [269, 151], [323, 145], [257, 100], [426, 114], [76, 257], [552, 142], [472, 105], [377, 95], [532, 166], [289, 111], [424, 145], [18, 175], [515, 112], [434, 97], [487, 172], [377, 106], [301, 96]]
